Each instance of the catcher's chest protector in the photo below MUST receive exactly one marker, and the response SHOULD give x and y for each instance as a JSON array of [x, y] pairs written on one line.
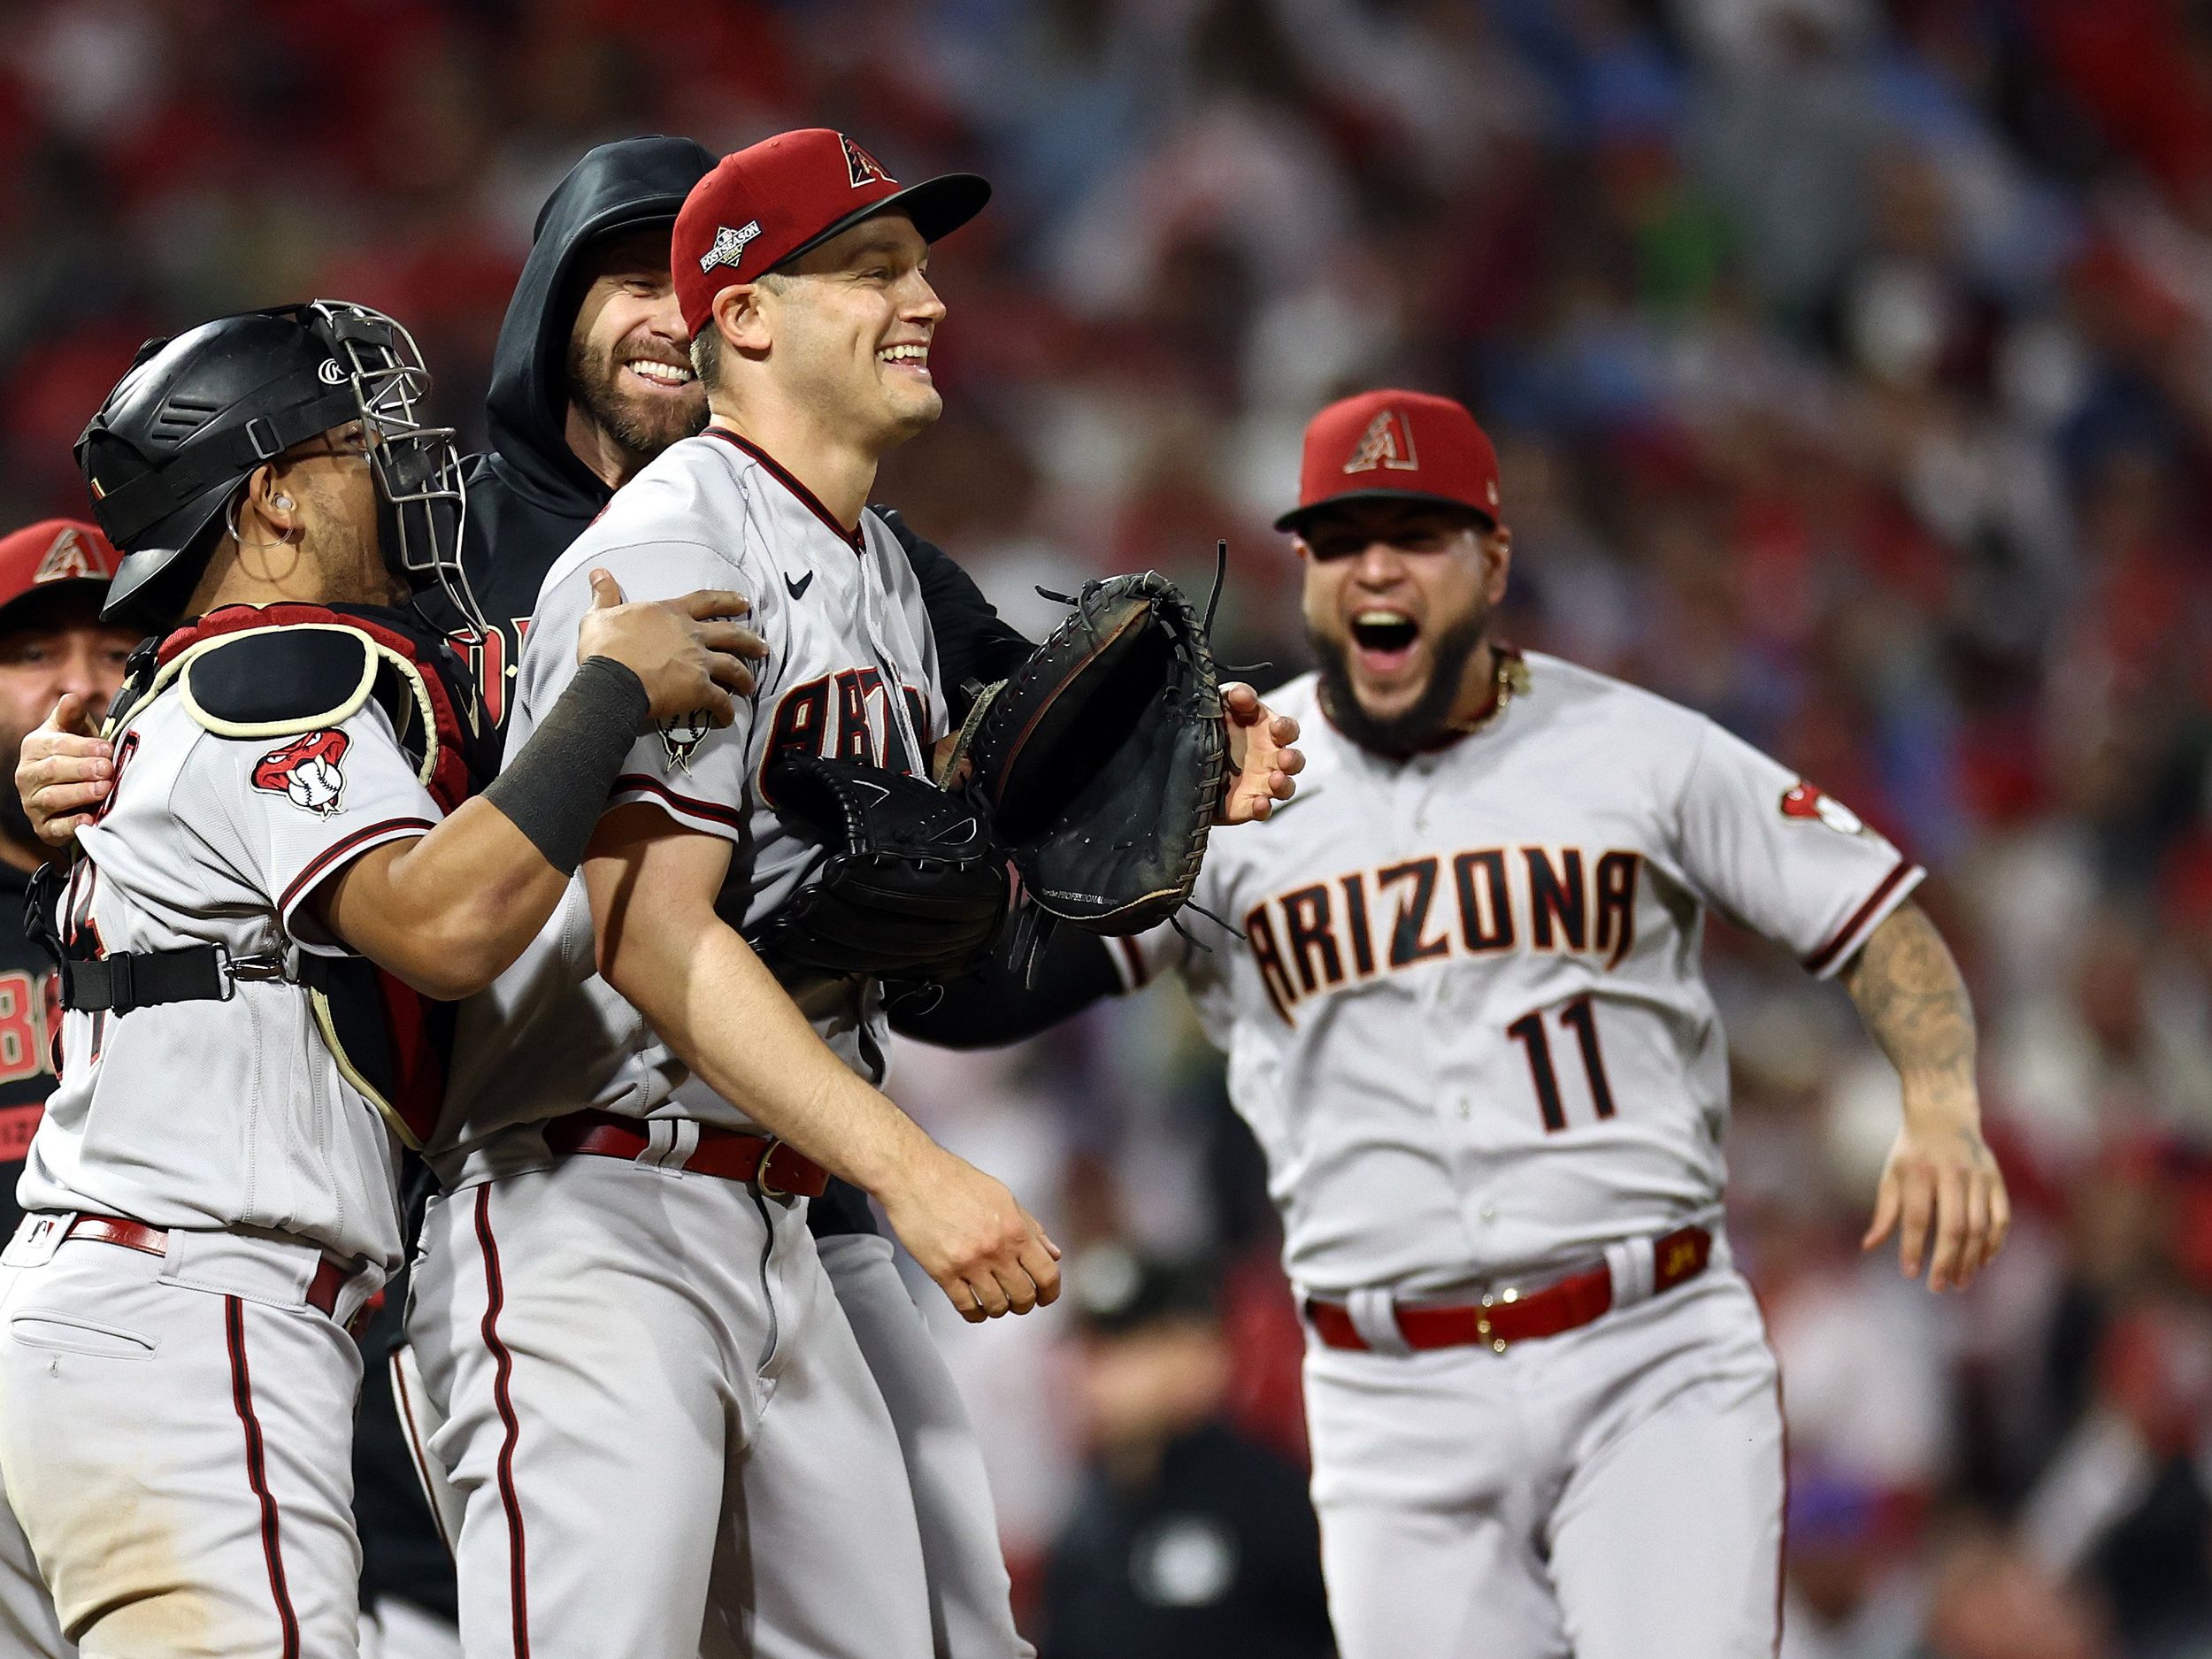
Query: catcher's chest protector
[[295, 671], [280, 671]]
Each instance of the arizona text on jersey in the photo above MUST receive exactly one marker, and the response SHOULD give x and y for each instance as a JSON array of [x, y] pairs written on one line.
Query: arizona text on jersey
[[1465, 1018]]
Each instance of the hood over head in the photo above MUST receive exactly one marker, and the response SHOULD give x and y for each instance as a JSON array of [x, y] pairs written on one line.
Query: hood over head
[[615, 188]]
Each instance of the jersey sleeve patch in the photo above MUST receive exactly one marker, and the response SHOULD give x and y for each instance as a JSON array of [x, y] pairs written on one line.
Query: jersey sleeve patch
[[1807, 803], [309, 771], [681, 736], [279, 681]]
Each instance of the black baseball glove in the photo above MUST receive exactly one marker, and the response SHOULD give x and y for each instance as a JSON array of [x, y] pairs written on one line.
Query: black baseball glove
[[1103, 762], [915, 886]]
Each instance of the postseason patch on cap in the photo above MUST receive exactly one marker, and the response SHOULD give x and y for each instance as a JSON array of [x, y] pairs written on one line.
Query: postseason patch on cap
[[729, 246], [771, 202]]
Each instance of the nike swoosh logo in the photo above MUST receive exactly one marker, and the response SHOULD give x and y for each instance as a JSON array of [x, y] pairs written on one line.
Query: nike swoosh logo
[[1304, 795], [798, 588]]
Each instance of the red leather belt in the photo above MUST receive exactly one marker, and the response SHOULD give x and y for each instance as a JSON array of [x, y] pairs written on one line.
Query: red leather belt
[[776, 1169], [1513, 1315], [322, 1290]]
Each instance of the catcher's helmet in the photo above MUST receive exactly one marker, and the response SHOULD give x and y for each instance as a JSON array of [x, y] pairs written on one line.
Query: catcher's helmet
[[196, 413]]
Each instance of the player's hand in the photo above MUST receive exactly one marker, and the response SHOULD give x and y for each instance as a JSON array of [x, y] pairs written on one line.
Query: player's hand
[[1264, 766], [1941, 1188], [690, 652], [64, 771], [987, 1253]]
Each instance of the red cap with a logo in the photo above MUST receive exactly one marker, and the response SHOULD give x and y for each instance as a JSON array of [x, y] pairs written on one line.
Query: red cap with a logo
[[1395, 446], [53, 553], [771, 203]]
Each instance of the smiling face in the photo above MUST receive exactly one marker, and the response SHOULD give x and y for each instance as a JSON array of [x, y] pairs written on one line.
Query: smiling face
[[631, 389], [849, 328], [51, 642], [1398, 600]]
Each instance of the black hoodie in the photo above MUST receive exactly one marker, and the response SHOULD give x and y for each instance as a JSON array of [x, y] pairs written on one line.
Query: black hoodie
[[529, 497]]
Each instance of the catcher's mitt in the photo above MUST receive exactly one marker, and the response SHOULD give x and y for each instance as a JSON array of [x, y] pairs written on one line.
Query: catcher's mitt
[[915, 886], [1103, 761]]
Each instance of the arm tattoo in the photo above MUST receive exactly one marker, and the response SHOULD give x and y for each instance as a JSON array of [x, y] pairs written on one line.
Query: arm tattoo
[[1913, 1002]]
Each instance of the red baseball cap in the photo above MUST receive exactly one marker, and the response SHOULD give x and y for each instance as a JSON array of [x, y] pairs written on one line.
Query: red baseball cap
[[1396, 445], [771, 203], [53, 553]]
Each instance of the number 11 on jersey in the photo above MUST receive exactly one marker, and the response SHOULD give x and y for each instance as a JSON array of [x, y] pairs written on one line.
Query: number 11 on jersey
[[1580, 1017]]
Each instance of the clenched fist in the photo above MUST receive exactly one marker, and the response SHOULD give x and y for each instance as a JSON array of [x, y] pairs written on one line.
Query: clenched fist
[[987, 1253]]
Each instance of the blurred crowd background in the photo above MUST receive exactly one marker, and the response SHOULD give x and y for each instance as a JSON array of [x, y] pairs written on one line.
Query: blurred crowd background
[[1851, 366]]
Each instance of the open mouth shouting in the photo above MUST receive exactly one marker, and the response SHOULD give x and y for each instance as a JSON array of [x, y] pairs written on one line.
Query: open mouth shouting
[[1383, 638]]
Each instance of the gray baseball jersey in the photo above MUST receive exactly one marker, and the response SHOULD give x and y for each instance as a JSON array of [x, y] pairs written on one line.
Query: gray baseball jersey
[[233, 1113], [851, 672], [1466, 1019]]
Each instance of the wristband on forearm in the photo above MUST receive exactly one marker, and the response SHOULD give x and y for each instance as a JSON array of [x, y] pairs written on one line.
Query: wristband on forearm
[[555, 789]]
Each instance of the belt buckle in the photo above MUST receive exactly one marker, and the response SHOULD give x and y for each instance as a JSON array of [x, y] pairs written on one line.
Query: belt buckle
[[760, 1171], [259, 970]]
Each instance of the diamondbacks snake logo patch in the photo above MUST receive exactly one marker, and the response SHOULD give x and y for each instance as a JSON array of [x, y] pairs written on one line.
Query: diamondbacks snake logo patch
[[1808, 804], [306, 772]]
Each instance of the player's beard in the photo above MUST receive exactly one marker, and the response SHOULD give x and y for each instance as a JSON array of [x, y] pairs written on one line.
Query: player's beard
[[642, 426], [1401, 735]]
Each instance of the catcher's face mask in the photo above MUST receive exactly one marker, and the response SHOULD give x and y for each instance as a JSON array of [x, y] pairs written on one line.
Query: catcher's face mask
[[420, 501]]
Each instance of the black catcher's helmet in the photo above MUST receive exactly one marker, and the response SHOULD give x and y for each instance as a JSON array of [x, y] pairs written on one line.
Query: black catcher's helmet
[[196, 413]]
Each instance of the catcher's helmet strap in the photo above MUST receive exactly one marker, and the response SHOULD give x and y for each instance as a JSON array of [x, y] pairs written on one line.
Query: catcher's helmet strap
[[131, 509]]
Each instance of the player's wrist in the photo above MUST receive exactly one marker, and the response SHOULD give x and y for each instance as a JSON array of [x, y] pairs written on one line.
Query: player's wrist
[[1941, 1102], [555, 786], [899, 1165]]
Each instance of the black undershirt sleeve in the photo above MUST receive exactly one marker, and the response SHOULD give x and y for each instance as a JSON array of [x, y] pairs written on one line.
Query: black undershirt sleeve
[[992, 1006], [973, 642]]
